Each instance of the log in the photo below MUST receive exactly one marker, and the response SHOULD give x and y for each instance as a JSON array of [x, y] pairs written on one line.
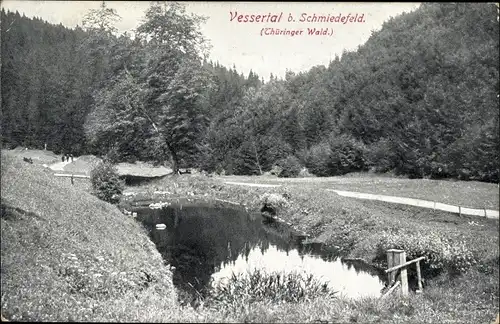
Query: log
[[404, 265], [396, 285]]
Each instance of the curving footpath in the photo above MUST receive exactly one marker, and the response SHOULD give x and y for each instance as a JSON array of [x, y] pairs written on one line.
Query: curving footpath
[[253, 184], [488, 213], [59, 166]]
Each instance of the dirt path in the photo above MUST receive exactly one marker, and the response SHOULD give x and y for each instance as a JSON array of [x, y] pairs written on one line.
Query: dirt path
[[253, 184], [59, 166], [489, 213]]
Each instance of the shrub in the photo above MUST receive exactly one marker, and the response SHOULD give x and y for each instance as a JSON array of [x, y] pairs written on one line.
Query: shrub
[[113, 155], [106, 183], [441, 253], [276, 170], [382, 156], [274, 149], [274, 203], [317, 159], [304, 173], [347, 155], [336, 156], [290, 167], [439, 170]]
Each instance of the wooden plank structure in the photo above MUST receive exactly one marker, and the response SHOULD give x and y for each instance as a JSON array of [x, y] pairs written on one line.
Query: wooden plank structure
[[396, 260], [72, 176]]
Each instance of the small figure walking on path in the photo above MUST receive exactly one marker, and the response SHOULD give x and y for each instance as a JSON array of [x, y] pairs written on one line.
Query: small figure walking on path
[[63, 157], [45, 147], [71, 155]]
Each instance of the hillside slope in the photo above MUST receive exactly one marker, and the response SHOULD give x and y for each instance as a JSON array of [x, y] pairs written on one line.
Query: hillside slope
[[65, 255]]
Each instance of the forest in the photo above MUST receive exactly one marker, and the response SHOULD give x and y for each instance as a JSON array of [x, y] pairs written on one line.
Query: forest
[[418, 99]]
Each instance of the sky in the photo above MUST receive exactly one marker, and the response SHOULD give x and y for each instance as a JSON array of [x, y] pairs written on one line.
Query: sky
[[250, 45]]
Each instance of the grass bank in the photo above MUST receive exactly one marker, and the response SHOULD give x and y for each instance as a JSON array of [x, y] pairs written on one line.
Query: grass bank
[[67, 256]]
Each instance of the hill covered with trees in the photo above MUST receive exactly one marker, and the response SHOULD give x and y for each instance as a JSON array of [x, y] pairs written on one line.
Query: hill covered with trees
[[419, 98]]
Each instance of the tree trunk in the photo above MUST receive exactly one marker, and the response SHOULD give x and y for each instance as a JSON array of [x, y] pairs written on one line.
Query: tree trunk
[[175, 160], [257, 162]]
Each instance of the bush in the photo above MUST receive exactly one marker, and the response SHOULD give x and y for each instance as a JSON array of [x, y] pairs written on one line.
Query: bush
[[290, 167], [275, 170], [336, 156], [441, 253], [304, 173], [347, 155], [382, 156], [273, 203], [317, 159], [106, 183]]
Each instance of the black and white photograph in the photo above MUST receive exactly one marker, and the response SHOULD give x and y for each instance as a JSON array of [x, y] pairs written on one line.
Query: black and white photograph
[[250, 162]]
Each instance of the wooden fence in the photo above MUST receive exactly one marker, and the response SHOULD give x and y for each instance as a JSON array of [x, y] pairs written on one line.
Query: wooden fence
[[72, 176], [396, 260]]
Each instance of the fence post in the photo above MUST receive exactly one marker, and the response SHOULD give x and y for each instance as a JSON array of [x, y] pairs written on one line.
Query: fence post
[[459, 211], [401, 255], [390, 263], [394, 258], [419, 278]]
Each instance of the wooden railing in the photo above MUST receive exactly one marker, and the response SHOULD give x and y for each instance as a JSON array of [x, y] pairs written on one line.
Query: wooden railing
[[72, 176], [396, 260]]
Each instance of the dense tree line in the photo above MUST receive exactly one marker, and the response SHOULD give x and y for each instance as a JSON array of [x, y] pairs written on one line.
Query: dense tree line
[[419, 98], [46, 82]]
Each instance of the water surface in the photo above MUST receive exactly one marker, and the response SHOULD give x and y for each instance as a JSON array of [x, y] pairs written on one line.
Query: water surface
[[206, 242]]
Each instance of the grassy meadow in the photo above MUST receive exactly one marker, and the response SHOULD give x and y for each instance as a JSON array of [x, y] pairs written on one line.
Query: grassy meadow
[[68, 256], [472, 194]]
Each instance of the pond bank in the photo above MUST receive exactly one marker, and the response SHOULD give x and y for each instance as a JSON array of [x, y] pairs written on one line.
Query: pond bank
[[205, 241]]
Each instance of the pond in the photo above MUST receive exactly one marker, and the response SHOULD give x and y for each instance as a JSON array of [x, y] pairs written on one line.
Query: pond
[[208, 241]]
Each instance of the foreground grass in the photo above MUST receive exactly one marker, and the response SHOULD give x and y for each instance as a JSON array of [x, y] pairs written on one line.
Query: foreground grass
[[462, 302], [68, 256]]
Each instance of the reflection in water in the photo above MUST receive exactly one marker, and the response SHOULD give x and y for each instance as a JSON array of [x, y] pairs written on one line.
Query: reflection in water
[[339, 276], [207, 241]]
